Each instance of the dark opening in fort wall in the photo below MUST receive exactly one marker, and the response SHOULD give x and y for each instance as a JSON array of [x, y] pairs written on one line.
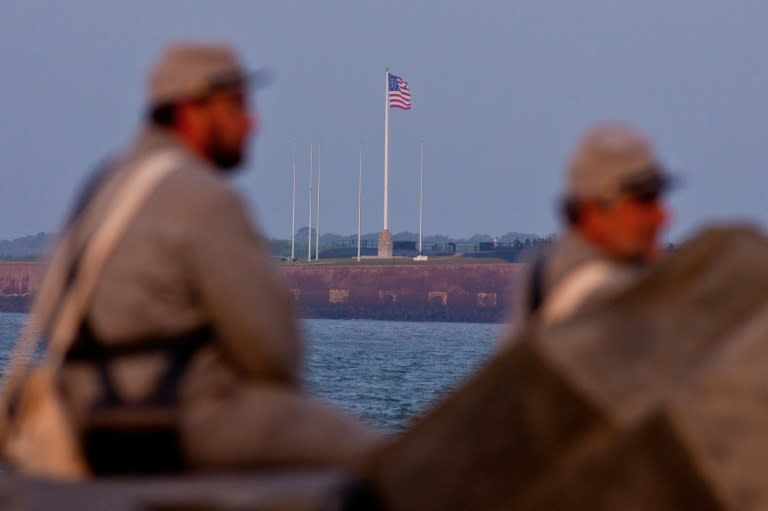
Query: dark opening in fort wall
[[478, 292], [18, 281]]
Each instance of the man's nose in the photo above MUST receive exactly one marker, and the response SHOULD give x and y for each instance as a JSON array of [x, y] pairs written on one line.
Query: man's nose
[[662, 212], [252, 122]]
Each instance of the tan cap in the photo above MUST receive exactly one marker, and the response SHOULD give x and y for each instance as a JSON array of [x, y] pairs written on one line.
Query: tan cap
[[613, 158], [194, 69]]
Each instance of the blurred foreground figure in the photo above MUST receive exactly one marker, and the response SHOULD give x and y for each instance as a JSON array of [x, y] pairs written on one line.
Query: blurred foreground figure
[[614, 214], [188, 354]]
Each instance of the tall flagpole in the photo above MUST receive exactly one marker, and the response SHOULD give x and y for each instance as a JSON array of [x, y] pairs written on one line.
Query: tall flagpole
[[386, 153], [293, 205], [317, 219], [359, 199], [421, 196], [385, 238], [309, 224]]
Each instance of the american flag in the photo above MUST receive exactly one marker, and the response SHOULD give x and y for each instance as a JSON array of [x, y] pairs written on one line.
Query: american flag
[[399, 95]]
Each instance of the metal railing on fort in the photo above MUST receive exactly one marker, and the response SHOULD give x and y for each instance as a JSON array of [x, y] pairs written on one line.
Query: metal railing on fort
[[445, 248], [349, 243]]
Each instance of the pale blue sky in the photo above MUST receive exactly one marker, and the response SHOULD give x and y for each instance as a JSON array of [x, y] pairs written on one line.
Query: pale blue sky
[[501, 92]]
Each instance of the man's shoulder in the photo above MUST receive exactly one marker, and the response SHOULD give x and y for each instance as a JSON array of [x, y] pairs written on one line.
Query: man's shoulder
[[191, 199], [192, 178], [195, 183], [569, 252]]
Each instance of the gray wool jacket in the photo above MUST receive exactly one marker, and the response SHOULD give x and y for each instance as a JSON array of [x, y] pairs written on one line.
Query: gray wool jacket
[[569, 253], [190, 258]]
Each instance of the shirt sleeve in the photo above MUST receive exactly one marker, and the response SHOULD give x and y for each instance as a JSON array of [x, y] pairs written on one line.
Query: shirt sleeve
[[240, 290]]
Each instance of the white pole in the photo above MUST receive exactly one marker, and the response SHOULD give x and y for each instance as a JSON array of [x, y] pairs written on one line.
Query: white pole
[[386, 153], [293, 205], [317, 220], [359, 199], [309, 224], [421, 196]]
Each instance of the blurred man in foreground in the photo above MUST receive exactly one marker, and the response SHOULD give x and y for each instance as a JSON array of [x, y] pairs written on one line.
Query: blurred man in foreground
[[614, 213], [188, 354]]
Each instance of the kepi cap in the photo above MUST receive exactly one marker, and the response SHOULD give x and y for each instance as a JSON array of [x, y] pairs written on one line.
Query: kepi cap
[[611, 159], [188, 70]]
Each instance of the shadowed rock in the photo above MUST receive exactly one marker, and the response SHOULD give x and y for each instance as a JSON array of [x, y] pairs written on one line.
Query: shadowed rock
[[656, 400], [268, 491]]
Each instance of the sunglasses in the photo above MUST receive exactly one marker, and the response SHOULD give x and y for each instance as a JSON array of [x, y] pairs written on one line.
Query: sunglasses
[[649, 190], [646, 197]]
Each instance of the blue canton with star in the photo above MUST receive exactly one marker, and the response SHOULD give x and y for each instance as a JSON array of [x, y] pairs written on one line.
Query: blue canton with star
[[393, 83]]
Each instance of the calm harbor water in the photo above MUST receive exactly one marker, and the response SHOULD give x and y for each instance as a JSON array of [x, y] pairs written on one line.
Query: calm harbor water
[[384, 372]]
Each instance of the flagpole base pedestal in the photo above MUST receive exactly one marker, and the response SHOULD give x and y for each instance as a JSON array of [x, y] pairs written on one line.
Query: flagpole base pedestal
[[385, 244]]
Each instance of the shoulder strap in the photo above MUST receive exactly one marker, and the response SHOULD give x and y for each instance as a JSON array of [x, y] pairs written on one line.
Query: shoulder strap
[[67, 318], [127, 202], [577, 286]]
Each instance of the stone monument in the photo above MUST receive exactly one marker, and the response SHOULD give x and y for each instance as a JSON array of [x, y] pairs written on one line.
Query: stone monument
[[385, 244]]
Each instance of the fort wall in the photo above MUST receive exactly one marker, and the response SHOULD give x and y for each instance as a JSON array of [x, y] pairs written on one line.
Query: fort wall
[[478, 292]]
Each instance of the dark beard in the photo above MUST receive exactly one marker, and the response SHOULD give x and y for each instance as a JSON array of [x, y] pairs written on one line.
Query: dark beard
[[226, 159]]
